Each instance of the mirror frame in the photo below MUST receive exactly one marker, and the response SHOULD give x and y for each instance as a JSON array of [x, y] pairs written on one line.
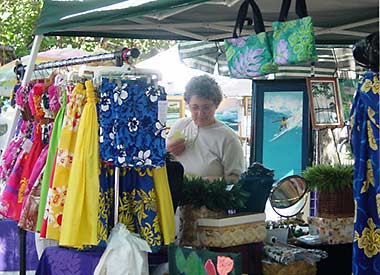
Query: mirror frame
[[296, 200]]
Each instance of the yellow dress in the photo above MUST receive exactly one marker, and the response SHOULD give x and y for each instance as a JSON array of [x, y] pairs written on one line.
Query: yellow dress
[[64, 158], [80, 213], [165, 204]]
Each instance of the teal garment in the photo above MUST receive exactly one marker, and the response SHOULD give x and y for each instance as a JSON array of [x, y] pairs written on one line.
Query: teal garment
[[293, 41], [56, 133], [365, 147], [249, 56]]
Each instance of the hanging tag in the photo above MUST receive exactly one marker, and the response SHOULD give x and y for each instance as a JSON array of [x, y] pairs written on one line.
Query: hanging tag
[[27, 145], [162, 111]]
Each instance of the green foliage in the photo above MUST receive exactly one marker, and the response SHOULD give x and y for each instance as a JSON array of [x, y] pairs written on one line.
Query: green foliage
[[18, 20], [214, 195], [325, 177]]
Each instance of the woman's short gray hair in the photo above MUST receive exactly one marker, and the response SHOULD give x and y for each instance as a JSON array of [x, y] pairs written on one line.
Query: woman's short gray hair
[[205, 87]]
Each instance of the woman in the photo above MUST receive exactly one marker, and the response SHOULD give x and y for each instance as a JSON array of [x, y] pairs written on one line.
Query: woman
[[205, 146]]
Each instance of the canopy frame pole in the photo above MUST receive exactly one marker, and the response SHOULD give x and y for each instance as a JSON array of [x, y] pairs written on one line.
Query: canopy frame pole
[[33, 57]]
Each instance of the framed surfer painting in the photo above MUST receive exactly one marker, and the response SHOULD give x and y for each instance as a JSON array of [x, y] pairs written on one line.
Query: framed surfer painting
[[324, 102], [281, 136], [280, 126]]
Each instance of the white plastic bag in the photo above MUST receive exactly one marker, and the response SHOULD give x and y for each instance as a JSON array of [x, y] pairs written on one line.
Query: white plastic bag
[[126, 254]]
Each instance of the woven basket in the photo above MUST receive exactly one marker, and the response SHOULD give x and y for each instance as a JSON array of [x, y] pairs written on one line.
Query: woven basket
[[296, 268], [188, 223], [232, 235], [335, 203]]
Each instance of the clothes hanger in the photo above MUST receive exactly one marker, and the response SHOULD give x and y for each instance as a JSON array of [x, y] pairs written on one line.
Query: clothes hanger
[[124, 72]]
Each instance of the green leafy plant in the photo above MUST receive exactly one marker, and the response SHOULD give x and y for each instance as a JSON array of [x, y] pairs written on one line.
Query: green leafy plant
[[326, 177], [214, 195]]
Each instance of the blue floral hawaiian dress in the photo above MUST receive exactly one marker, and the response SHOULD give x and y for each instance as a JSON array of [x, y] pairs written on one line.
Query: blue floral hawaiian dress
[[131, 134], [365, 146]]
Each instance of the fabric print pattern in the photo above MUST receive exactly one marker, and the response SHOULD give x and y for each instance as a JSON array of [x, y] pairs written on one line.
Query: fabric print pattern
[[106, 203], [250, 56], [369, 240], [365, 147], [128, 123], [14, 192], [282, 52], [138, 205], [9, 157], [119, 95], [298, 37]]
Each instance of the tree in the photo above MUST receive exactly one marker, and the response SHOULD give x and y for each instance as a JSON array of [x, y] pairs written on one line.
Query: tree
[[18, 20]]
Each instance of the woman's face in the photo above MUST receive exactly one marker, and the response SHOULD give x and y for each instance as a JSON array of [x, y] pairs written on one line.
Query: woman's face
[[202, 111]]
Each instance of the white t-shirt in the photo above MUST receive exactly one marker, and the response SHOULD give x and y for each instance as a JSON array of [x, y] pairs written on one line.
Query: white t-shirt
[[213, 150]]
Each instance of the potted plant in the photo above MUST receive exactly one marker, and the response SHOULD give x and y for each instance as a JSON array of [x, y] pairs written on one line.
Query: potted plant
[[334, 189], [206, 199]]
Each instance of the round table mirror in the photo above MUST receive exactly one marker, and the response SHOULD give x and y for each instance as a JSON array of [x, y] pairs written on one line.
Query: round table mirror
[[288, 196]]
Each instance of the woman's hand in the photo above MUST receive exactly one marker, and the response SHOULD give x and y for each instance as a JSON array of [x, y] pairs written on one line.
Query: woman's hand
[[176, 147]]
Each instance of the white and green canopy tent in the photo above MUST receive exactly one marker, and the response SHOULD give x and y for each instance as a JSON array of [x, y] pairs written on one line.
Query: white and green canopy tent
[[335, 21]]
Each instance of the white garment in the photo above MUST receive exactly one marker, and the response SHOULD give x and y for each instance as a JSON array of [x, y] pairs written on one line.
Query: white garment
[[42, 243], [126, 254], [213, 150]]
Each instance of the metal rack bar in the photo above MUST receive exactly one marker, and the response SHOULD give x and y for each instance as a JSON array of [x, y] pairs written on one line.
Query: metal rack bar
[[120, 56]]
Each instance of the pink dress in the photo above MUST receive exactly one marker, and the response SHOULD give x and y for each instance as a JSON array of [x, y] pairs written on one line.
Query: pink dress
[[13, 195], [9, 157]]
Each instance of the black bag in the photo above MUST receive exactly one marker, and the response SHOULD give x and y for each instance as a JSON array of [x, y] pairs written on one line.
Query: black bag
[[257, 181], [366, 52], [175, 176]]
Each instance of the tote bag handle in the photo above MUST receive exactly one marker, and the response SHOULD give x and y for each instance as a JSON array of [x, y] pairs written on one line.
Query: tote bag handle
[[301, 9], [242, 17]]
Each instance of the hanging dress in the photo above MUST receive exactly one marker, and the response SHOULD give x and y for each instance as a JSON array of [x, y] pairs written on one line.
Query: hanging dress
[[132, 128], [132, 134], [164, 204], [9, 197], [365, 146], [80, 212], [14, 192], [23, 133], [50, 161], [9, 157], [106, 219], [64, 158], [29, 212], [37, 153], [138, 205]]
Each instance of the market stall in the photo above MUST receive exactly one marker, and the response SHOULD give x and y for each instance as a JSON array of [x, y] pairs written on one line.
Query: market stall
[[191, 20]]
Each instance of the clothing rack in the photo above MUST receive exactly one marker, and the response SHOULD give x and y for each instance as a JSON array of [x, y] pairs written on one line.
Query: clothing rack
[[121, 56]]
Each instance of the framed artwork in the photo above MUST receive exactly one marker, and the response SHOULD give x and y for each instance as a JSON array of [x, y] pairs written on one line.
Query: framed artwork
[[176, 109], [247, 103], [280, 132], [280, 126], [228, 112], [324, 102]]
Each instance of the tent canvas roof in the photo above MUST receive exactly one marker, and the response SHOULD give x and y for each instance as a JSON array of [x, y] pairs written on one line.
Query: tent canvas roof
[[335, 21]]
